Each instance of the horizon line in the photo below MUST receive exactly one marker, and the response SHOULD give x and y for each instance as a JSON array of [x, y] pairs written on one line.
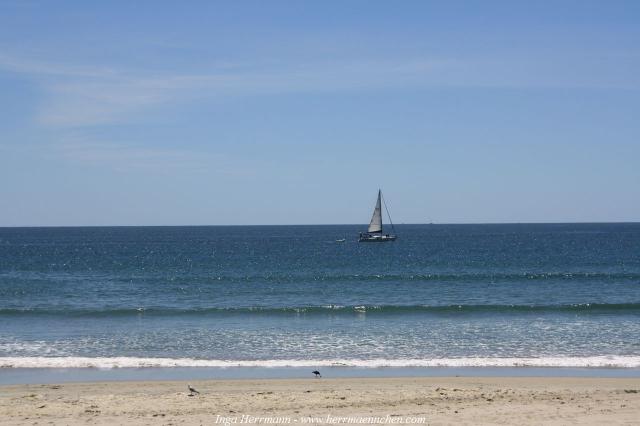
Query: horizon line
[[323, 224]]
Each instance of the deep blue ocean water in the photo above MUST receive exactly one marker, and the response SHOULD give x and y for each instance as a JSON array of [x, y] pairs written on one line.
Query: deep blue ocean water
[[452, 295]]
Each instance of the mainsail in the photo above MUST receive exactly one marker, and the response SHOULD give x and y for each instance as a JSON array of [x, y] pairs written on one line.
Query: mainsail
[[376, 219]]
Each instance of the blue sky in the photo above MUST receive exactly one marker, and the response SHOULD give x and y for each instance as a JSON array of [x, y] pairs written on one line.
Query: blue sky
[[295, 112]]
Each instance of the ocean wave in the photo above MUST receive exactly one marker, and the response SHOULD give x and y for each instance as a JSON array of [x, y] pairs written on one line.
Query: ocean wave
[[330, 309], [204, 278], [609, 361]]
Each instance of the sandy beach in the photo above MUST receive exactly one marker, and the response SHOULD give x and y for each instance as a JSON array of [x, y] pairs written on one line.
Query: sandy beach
[[458, 400]]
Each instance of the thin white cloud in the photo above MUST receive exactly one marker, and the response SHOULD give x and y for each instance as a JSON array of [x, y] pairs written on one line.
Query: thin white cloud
[[78, 96], [130, 157], [82, 103], [45, 68], [83, 96], [134, 157]]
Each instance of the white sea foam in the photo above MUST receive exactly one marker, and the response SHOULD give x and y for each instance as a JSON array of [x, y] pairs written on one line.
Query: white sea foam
[[613, 361]]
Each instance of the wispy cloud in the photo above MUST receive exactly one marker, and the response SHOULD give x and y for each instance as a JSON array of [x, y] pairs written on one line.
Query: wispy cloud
[[77, 95], [46, 68], [130, 156], [83, 96]]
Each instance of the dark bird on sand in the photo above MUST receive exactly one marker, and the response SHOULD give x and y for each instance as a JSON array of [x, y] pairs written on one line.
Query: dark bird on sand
[[317, 373], [192, 390]]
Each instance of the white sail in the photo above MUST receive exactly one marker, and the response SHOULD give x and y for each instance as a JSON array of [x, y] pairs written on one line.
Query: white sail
[[376, 219]]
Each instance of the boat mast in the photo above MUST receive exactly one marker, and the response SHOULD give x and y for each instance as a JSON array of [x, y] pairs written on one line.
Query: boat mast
[[388, 214]]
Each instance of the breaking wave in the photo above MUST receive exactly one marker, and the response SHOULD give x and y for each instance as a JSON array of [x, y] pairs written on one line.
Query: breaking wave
[[613, 361]]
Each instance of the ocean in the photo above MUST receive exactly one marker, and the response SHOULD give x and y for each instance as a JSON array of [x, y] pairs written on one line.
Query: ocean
[[504, 295]]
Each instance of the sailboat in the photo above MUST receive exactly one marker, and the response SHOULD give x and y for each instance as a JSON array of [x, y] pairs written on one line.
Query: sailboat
[[374, 233]]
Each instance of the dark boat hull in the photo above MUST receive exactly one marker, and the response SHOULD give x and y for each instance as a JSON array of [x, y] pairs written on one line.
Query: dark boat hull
[[376, 238]]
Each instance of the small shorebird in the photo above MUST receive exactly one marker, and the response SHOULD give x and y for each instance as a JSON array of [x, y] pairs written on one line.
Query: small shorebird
[[192, 390], [317, 373]]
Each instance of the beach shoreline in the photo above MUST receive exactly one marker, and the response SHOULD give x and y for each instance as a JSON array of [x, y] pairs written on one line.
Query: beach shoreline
[[398, 400], [18, 376]]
